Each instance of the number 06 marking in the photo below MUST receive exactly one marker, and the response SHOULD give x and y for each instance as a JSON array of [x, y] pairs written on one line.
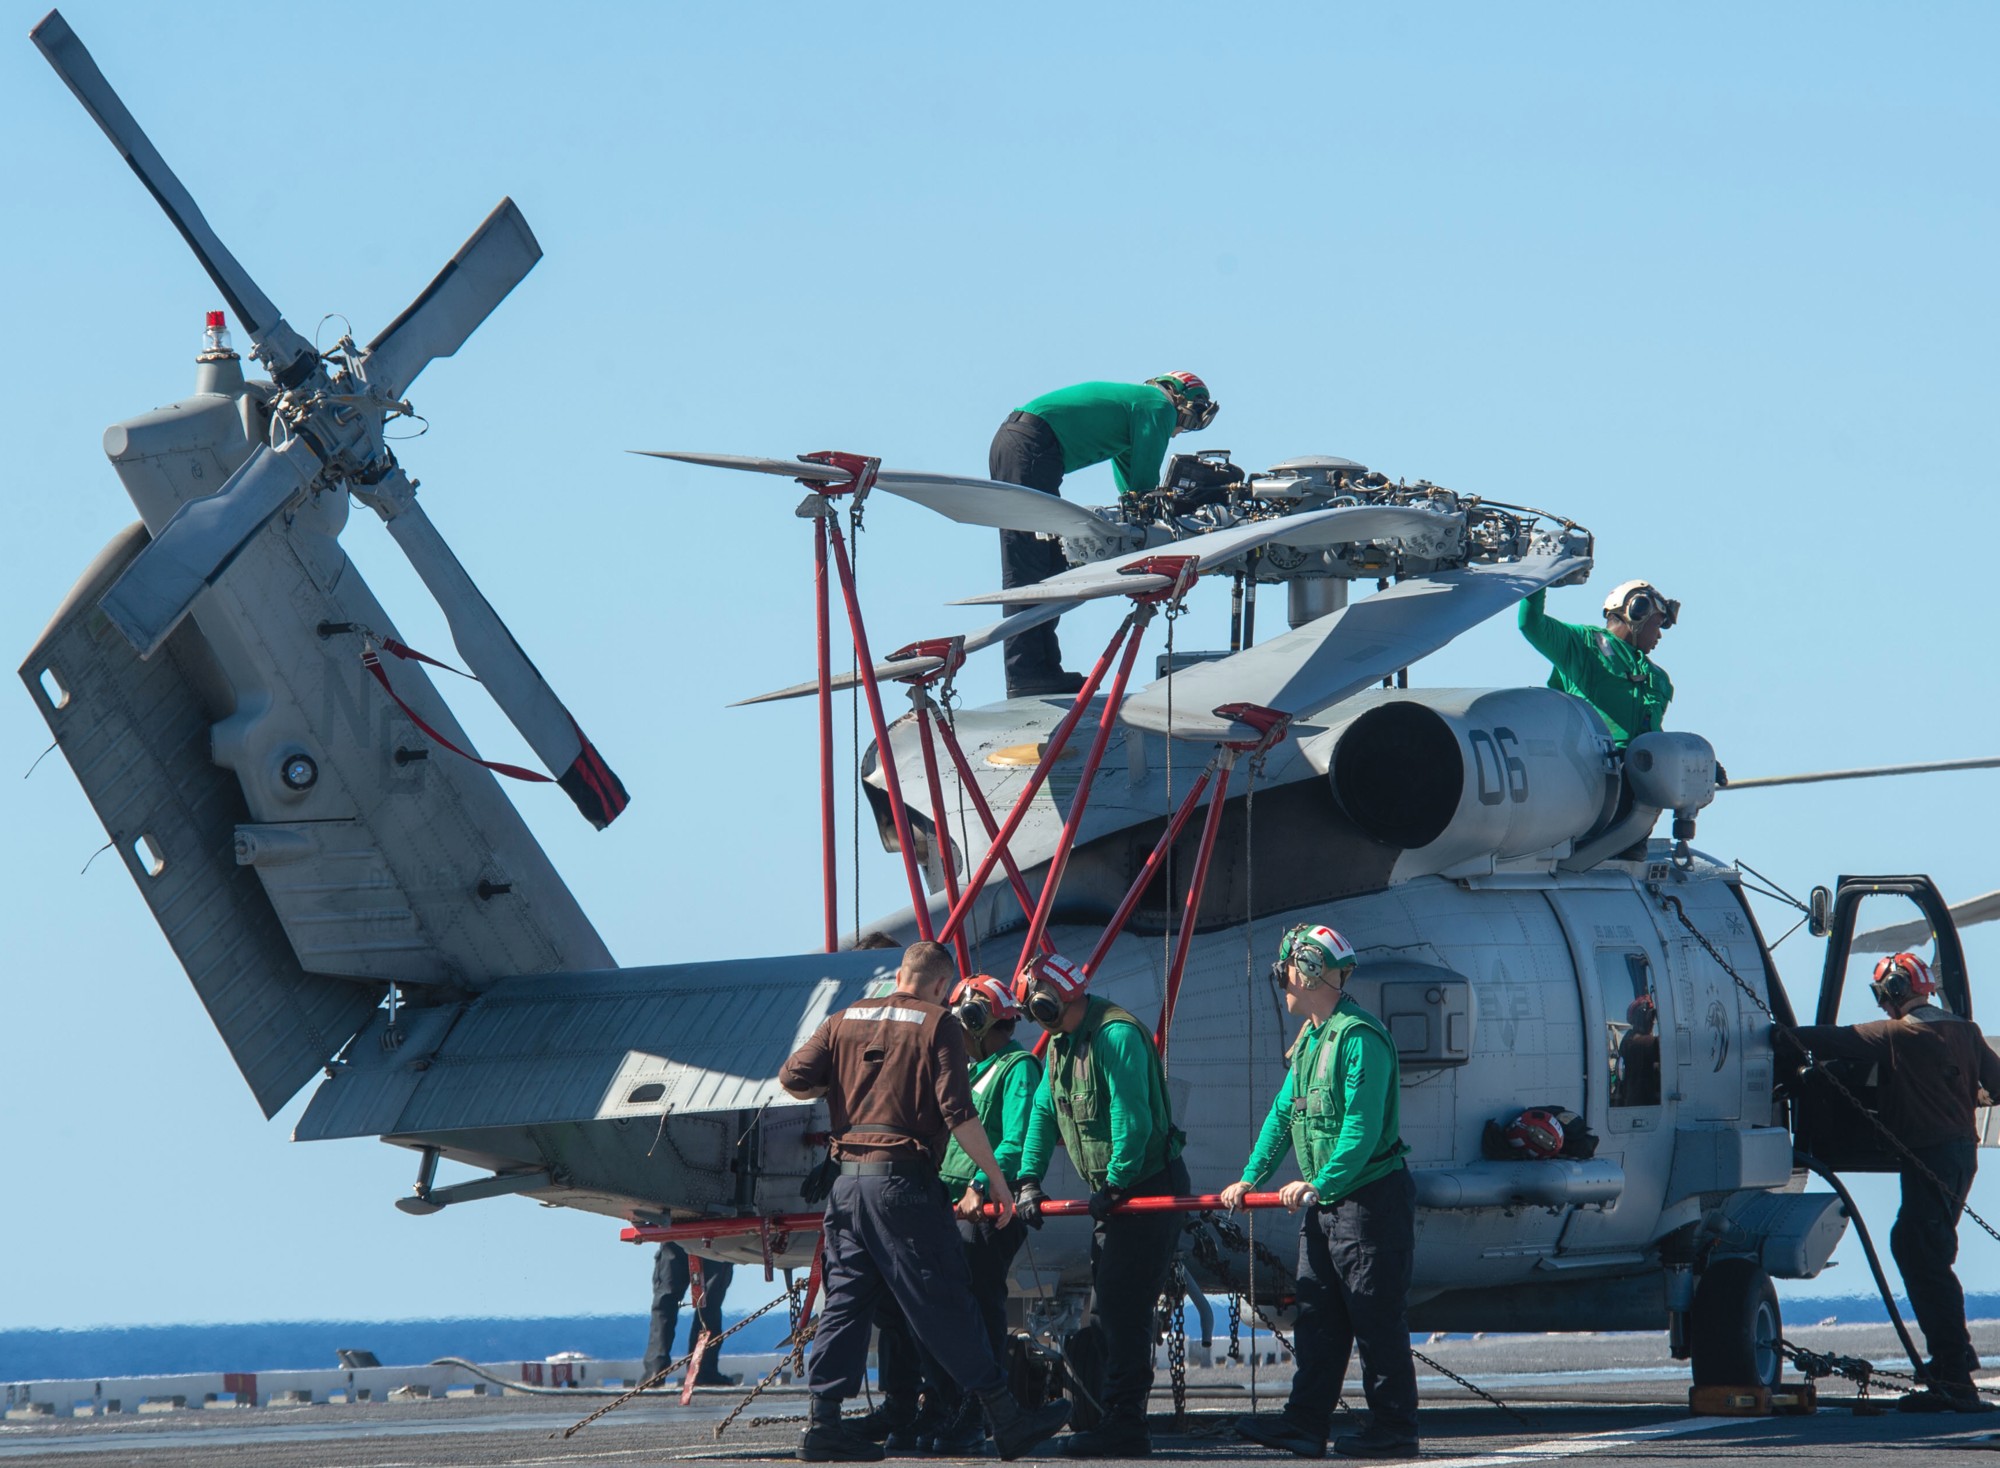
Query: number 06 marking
[[1501, 773]]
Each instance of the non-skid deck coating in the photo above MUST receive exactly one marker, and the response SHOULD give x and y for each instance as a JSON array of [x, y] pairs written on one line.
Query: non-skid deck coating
[[1612, 1398]]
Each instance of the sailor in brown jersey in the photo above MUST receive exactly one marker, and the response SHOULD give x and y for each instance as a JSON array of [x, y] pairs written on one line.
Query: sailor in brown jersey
[[1933, 1067], [893, 1071]]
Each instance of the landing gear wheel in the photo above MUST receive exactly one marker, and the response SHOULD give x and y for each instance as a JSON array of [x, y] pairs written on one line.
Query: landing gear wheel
[[1734, 1327]]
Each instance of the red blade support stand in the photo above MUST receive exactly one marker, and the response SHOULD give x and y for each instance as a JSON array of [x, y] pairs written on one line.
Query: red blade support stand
[[708, 1230], [864, 470]]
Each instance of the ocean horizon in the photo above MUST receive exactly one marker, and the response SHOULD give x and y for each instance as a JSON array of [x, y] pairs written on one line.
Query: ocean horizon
[[303, 1345]]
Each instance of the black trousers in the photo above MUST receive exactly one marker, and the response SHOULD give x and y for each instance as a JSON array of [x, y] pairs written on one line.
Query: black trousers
[[671, 1273], [1025, 451], [894, 1236], [901, 1365], [1130, 1258], [989, 1260], [1354, 1288], [1924, 1242]]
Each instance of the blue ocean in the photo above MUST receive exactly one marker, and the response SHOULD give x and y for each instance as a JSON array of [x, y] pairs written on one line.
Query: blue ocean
[[288, 1345]]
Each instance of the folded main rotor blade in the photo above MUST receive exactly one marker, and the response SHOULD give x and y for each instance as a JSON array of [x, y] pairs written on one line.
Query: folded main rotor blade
[[994, 503], [513, 681], [968, 501], [787, 468], [1328, 659], [436, 324], [197, 545], [254, 310], [985, 636], [1340, 525], [1983, 909]]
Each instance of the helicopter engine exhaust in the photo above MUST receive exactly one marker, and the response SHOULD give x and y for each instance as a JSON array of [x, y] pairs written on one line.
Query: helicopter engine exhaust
[[1461, 778]]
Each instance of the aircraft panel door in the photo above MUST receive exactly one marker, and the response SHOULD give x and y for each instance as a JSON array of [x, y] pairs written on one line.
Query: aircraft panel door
[[1631, 1036]]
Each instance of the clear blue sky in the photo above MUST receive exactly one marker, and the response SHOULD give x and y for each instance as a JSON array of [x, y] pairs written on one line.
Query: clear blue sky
[[1716, 280]]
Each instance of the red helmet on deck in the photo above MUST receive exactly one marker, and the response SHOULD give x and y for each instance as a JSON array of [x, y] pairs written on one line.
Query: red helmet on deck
[[982, 1002], [1534, 1135]]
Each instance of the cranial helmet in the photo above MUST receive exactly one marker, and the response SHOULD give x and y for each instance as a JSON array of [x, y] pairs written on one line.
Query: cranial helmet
[[1534, 1135], [1901, 976], [1642, 1014], [1314, 948], [1634, 601], [1047, 984], [1194, 409], [982, 1002]]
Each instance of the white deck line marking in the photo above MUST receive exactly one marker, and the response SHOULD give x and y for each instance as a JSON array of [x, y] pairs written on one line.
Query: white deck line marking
[[1569, 1447]]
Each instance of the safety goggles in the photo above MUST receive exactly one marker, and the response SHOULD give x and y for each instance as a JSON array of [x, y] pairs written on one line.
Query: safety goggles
[[1194, 414], [1642, 604]]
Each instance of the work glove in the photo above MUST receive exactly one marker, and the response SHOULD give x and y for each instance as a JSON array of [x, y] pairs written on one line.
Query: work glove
[[1104, 1200], [1028, 1200]]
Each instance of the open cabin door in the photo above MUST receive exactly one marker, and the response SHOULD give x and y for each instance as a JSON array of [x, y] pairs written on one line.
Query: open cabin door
[[1823, 1121]]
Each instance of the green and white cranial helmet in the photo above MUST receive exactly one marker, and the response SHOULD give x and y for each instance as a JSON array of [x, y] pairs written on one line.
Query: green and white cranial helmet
[[1314, 949]]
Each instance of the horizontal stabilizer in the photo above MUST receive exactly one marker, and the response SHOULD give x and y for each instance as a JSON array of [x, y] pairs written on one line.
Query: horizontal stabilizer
[[1344, 524], [985, 636], [1315, 666]]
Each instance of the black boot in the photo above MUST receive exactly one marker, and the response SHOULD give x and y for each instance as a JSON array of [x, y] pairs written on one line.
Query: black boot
[[1282, 1431], [894, 1415], [829, 1440], [916, 1435], [1122, 1434], [1017, 1428], [963, 1435], [1376, 1442]]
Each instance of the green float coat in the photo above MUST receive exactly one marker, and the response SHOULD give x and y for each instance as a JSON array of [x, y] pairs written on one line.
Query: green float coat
[[1003, 1092], [1105, 1092], [1339, 1107]]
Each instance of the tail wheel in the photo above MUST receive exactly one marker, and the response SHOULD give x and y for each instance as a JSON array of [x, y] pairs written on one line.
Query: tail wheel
[[1734, 1327]]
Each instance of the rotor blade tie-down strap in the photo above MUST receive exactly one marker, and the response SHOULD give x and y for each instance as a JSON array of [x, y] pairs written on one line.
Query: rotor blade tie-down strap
[[373, 663]]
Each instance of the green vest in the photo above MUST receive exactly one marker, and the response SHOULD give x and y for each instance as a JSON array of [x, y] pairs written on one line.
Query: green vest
[[1083, 1101], [989, 1090], [1319, 1094]]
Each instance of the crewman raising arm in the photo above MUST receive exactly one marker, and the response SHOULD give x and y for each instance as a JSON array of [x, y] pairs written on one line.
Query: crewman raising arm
[[1610, 667]]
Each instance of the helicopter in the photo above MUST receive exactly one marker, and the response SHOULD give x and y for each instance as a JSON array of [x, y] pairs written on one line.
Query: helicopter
[[355, 902]]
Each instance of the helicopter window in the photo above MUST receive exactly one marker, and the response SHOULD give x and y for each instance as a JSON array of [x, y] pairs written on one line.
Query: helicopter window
[[1631, 1028], [651, 1091], [152, 861], [53, 690], [1884, 923]]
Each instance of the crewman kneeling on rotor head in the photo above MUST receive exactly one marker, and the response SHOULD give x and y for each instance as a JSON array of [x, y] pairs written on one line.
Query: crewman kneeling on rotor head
[[1105, 1094], [1339, 1110], [1610, 667], [1933, 1067], [893, 1071], [1063, 431]]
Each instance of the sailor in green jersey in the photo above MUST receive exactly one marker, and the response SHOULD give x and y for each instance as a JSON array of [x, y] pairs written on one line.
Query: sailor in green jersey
[[1610, 667], [1105, 1094], [1339, 1110], [1058, 433]]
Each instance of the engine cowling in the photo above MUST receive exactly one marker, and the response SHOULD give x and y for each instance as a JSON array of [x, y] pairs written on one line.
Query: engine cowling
[[1460, 778]]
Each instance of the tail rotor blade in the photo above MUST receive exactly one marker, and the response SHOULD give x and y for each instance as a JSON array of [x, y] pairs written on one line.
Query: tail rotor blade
[[197, 545], [513, 681], [74, 64], [436, 324]]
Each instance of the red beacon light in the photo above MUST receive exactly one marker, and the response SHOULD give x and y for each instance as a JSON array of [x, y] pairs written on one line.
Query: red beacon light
[[215, 338]]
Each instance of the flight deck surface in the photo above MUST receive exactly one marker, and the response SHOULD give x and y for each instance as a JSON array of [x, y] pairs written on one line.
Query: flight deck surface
[[1629, 1403]]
